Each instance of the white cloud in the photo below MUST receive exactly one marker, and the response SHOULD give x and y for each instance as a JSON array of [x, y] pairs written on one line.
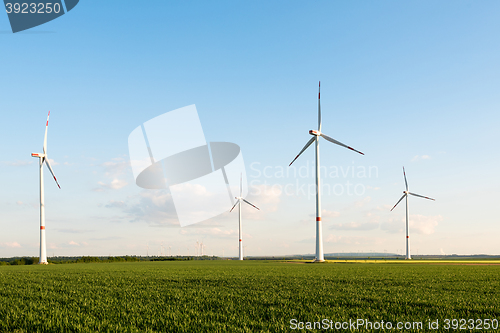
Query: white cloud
[[115, 184], [106, 239], [329, 213], [266, 197], [363, 202], [284, 245], [266, 194], [419, 224], [116, 167], [353, 240], [11, 245], [193, 191], [355, 226], [53, 246], [216, 232], [420, 157], [72, 231], [116, 204], [393, 226], [18, 163], [425, 225], [52, 162], [152, 206]]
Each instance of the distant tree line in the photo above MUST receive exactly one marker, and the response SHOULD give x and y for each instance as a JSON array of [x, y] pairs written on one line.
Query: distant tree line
[[90, 259], [19, 261], [66, 260]]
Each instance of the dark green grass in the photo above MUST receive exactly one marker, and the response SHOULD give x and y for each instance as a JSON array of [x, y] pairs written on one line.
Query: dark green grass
[[249, 296]]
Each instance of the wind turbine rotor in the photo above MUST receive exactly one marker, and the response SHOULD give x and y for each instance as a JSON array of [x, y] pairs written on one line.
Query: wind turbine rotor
[[237, 201], [303, 149], [404, 195], [250, 204], [51, 171], [319, 107], [404, 174], [326, 137], [421, 196]]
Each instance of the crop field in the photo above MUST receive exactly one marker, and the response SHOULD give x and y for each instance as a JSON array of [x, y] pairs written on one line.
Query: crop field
[[248, 296]]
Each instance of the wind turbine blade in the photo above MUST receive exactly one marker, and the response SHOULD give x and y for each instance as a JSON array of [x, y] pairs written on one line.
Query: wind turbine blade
[[251, 204], [404, 195], [234, 205], [421, 196], [319, 107], [404, 174], [45, 138], [339, 143], [241, 184], [305, 147], [46, 160]]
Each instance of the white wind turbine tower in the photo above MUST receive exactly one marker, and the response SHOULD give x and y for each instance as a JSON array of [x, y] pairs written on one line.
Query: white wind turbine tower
[[405, 195], [43, 158], [316, 135], [238, 202]]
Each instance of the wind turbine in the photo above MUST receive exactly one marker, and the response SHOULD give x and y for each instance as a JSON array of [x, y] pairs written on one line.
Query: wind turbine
[[316, 135], [405, 195], [238, 202], [42, 158]]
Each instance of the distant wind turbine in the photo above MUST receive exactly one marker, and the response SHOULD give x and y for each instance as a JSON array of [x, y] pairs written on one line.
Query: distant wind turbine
[[43, 158], [405, 195], [316, 135], [238, 202]]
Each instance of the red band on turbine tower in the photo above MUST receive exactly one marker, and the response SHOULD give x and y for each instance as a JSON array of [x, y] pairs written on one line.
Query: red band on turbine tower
[[318, 218], [42, 227], [240, 240], [407, 236]]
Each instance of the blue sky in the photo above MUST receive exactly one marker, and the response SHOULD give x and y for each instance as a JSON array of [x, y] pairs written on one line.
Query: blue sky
[[408, 83]]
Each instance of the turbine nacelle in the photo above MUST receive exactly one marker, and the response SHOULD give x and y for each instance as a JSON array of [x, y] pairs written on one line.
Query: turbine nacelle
[[315, 133], [239, 200], [37, 155]]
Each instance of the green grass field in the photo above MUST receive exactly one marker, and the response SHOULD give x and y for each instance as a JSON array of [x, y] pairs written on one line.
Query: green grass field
[[232, 296]]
